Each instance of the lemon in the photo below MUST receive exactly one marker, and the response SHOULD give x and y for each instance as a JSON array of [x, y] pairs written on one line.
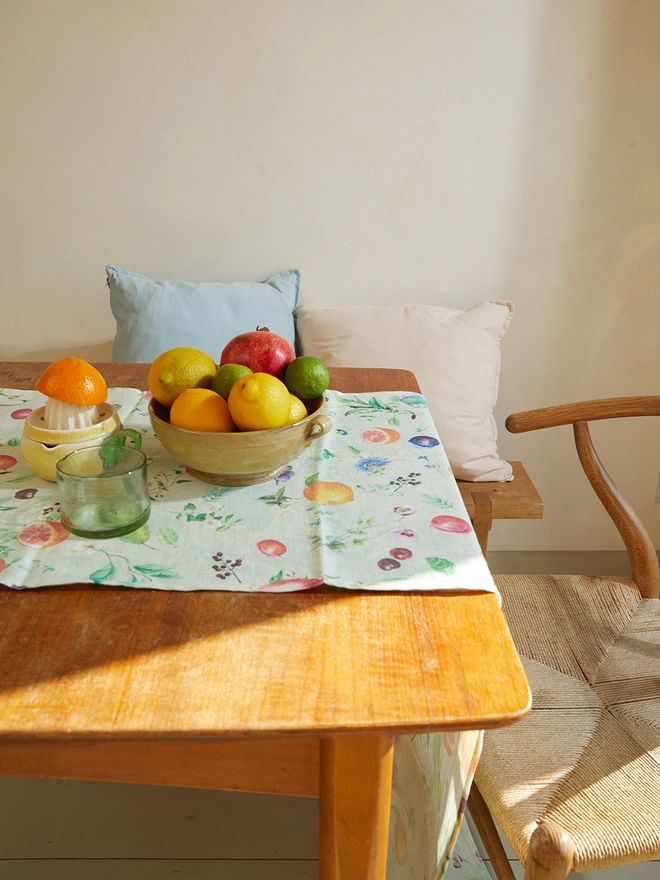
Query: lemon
[[307, 377], [298, 409], [226, 376], [259, 401], [177, 369], [200, 409]]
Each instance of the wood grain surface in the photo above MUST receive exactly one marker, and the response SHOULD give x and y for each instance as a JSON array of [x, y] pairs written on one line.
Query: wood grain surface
[[107, 662]]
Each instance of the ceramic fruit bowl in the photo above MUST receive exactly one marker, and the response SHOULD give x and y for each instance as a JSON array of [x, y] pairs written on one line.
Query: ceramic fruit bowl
[[43, 447], [242, 458]]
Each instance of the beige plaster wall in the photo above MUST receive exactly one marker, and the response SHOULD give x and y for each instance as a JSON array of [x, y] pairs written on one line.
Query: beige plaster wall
[[435, 151]]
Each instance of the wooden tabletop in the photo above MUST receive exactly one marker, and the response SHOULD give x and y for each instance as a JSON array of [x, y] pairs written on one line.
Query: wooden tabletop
[[88, 661]]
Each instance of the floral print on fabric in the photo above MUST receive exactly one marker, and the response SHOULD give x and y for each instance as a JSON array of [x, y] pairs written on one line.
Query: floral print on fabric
[[430, 784]]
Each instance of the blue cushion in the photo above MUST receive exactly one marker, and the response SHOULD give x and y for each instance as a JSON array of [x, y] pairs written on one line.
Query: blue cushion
[[154, 316]]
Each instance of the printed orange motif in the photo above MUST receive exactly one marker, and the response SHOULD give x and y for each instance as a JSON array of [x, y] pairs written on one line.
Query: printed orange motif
[[328, 493]]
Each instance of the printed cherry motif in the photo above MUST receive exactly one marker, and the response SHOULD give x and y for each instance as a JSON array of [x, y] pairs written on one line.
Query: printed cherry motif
[[20, 413], [401, 553], [388, 564], [408, 534], [23, 494]]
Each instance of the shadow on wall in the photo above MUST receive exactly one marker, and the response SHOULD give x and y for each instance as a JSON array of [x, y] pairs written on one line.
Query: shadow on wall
[[100, 353], [588, 224], [586, 245]]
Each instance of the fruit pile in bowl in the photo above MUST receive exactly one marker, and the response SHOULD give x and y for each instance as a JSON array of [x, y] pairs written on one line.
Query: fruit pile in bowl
[[244, 421]]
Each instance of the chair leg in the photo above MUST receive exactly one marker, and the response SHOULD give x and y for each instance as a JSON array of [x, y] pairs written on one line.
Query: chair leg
[[482, 519], [488, 833], [551, 853]]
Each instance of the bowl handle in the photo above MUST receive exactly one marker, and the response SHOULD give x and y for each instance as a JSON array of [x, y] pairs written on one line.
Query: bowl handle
[[323, 423]]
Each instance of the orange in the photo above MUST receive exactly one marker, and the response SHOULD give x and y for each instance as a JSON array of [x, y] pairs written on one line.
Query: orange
[[259, 401], [307, 377], [298, 410], [200, 409], [328, 493], [177, 369], [73, 380], [42, 534]]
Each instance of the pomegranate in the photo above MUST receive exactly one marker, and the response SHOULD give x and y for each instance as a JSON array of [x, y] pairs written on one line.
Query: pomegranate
[[260, 350]]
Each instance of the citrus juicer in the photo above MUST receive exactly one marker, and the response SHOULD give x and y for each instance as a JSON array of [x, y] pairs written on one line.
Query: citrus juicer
[[76, 414]]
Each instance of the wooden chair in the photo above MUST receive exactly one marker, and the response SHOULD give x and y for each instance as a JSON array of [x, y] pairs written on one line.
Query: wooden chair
[[575, 786]]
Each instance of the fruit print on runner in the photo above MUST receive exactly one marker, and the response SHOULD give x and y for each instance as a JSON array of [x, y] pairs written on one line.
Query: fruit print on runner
[[43, 533], [380, 435], [446, 523], [328, 492], [271, 547]]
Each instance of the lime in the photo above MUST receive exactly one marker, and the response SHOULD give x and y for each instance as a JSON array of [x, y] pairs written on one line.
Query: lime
[[226, 376], [307, 377]]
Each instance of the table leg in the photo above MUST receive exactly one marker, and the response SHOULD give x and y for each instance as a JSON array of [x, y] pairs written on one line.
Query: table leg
[[482, 519], [354, 789]]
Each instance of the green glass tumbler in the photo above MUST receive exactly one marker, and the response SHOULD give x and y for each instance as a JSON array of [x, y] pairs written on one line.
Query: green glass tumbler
[[103, 491]]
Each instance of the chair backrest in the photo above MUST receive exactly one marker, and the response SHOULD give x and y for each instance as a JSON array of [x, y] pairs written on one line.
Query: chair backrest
[[642, 553]]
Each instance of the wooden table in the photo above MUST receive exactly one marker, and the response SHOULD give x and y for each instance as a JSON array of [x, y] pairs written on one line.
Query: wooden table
[[297, 693]]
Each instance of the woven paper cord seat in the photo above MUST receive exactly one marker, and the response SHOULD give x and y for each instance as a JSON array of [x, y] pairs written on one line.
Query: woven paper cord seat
[[575, 786]]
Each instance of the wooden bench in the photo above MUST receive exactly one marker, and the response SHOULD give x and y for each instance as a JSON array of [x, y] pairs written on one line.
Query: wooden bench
[[485, 502]]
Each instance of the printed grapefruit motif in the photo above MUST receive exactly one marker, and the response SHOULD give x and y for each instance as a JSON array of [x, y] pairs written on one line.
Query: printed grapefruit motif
[[6, 462], [328, 493], [450, 524], [380, 435], [291, 585], [271, 547], [42, 534]]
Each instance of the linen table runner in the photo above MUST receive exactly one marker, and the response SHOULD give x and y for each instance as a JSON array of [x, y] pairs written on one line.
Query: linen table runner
[[370, 505]]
